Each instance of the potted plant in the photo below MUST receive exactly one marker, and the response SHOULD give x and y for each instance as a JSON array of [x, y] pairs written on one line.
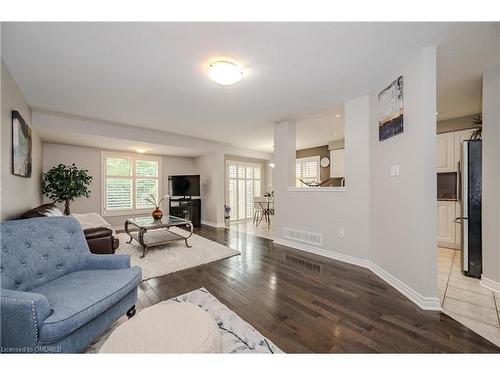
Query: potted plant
[[64, 183], [157, 213], [478, 121], [227, 215]]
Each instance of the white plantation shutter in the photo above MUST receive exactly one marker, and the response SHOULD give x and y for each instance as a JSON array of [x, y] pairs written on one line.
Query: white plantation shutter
[[118, 193], [307, 169], [243, 183], [145, 188], [128, 179]]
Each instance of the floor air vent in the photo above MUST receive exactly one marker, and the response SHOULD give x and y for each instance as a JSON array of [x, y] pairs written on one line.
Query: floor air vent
[[303, 263], [303, 236]]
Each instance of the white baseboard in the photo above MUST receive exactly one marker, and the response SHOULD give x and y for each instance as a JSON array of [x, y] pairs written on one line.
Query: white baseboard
[[490, 284], [212, 224], [425, 303]]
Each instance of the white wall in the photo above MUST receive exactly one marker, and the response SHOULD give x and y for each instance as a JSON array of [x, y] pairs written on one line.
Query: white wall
[[326, 211], [210, 167], [403, 208], [491, 178], [90, 158], [18, 194], [389, 222]]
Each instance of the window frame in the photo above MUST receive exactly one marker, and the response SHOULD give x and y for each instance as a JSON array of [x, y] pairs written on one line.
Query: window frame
[[253, 179], [305, 159], [133, 178]]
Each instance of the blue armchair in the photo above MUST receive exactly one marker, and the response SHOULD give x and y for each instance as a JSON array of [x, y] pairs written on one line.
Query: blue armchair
[[55, 295]]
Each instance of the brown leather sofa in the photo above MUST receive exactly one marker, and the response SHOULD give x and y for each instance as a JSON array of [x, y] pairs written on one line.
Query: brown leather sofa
[[100, 240]]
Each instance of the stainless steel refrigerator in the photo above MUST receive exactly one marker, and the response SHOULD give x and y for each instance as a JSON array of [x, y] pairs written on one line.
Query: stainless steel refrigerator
[[470, 196]]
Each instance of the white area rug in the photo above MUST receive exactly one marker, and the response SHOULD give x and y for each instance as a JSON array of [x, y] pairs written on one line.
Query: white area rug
[[174, 256], [237, 336]]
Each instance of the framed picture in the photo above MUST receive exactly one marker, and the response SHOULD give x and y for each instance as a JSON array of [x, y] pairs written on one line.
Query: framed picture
[[390, 110], [21, 146]]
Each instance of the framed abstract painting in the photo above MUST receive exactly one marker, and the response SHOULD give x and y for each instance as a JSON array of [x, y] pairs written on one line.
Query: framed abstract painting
[[390, 110], [21, 146]]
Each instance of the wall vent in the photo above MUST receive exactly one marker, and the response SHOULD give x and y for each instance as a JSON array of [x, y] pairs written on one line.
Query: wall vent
[[303, 236]]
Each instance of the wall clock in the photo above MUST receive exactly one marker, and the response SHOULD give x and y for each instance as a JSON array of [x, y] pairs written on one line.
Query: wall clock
[[325, 162]]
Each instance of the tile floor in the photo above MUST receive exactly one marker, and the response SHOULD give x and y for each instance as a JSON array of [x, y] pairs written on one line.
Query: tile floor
[[249, 227], [465, 300]]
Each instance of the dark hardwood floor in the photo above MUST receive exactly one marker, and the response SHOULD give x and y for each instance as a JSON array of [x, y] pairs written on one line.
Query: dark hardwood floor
[[306, 303]]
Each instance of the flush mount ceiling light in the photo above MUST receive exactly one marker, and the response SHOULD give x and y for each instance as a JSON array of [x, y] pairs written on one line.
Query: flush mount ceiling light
[[141, 150], [225, 72]]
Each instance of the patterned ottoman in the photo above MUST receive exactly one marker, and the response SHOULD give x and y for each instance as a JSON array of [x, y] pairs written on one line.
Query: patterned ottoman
[[166, 328]]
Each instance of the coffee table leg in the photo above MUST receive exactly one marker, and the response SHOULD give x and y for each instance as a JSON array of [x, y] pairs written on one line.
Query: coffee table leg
[[190, 234], [127, 231], [141, 241]]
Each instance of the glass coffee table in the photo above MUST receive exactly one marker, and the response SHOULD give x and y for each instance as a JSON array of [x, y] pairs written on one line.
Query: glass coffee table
[[150, 232]]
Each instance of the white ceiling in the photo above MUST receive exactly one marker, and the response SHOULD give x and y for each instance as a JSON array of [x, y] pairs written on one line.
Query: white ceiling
[[153, 75]]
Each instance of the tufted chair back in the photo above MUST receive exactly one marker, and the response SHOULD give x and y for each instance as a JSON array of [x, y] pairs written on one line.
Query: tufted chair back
[[36, 251]]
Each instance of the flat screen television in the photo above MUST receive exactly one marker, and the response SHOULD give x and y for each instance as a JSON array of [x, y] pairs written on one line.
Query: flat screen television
[[185, 186]]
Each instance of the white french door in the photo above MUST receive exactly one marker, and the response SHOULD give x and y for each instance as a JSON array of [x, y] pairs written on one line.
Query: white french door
[[243, 183]]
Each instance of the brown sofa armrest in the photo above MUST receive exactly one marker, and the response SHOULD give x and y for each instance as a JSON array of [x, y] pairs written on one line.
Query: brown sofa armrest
[[92, 233], [101, 240]]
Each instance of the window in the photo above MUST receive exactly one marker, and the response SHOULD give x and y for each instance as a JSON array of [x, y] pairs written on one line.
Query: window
[[307, 169], [243, 183], [127, 180]]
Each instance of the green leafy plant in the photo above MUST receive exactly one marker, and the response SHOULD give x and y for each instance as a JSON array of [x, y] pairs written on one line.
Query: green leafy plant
[[478, 133], [64, 183]]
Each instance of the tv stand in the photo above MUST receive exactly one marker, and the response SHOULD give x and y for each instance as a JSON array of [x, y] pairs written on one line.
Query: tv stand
[[186, 208]]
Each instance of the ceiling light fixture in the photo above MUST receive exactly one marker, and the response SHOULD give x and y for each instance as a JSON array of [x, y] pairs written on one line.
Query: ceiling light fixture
[[337, 115], [225, 72], [141, 150]]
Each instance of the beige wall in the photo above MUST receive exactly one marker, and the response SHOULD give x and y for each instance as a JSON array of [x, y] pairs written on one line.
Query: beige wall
[[90, 158], [322, 152], [18, 194]]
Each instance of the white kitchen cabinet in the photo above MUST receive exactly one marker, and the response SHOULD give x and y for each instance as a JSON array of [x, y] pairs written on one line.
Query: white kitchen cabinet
[[449, 154], [337, 163], [446, 227], [446, 152]]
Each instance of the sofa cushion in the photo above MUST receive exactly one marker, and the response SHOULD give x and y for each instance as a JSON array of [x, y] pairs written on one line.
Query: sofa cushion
[[48, 209], [81, 296]]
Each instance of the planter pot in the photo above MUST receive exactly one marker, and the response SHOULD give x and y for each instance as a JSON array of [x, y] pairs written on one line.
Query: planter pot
[[157, 214], [227, 221]]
